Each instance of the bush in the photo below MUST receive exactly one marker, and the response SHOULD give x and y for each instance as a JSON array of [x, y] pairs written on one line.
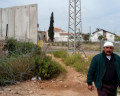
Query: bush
[[25, 61], [60, 54], [16, 48], [46, 68]]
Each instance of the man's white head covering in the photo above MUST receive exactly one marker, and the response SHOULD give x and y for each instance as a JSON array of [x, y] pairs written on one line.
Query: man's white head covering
[[108, 44]]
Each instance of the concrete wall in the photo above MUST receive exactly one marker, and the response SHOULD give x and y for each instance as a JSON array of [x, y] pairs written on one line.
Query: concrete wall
[[4, 21], [22, 22], [33, 22], [0, 21], [11, 23]]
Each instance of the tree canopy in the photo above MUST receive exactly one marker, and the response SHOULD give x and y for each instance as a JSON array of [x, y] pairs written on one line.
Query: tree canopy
[[51, 28], [100, 37], [117, 38], [86, 37]]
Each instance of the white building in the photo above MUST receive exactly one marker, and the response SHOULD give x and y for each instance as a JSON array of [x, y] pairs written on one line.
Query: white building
[[107, 35], [60, 35]]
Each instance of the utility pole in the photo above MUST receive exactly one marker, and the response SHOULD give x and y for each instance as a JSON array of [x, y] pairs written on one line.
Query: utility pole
[[74, 24], [90, 30]]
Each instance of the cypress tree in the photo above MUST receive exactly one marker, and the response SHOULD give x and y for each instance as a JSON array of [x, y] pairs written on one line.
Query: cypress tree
[[51, 28]]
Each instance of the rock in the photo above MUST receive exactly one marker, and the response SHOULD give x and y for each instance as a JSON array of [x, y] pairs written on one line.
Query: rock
[[30, 92], [34, 81], [17, 82], [16, 92], [65, 86], [61, 81], [9, 89], [41, 88], [11, 92]]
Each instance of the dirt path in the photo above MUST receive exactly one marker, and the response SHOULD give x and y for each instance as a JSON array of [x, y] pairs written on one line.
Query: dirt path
[[72, 84]]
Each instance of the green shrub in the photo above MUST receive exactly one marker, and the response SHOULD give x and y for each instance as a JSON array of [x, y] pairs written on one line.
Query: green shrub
[[24, 61], [16, 48], [60, 54], [46, 68]]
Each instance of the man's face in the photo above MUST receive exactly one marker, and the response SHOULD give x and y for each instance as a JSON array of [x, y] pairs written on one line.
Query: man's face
[[108, 50]]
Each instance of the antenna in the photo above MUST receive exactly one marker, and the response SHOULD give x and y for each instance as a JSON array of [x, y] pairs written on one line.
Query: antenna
[[74, 24]]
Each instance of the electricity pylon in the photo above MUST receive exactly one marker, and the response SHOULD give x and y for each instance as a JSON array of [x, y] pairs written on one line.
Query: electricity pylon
[[74, 24]]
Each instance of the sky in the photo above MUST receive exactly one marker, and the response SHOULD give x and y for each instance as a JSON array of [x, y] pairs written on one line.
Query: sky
[[104, 14]]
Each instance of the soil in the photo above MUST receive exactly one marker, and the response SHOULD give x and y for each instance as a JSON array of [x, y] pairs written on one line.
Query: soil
[[71, 84]]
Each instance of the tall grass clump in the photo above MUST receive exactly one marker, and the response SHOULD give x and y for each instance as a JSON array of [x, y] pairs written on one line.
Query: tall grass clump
[[71, 59], [16, 69], [60, 54], [78, 62]]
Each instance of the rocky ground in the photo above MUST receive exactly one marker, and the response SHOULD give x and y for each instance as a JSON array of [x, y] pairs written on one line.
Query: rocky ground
[[71, 84]]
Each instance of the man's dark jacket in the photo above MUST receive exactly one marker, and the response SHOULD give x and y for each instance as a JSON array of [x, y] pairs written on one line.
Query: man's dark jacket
[[97, 69]]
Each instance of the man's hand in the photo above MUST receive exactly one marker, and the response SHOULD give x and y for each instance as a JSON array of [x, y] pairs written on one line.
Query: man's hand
[[90, 87]]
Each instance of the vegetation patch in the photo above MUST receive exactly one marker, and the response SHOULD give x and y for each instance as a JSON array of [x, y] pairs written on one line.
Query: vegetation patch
[[77, 61], [16, 69], [80, 63], [60, 54], [46, 68], [16, 48], [24, 61]]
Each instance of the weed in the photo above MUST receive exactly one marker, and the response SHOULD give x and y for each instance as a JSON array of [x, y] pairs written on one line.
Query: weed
[[60, 54], [78, 62]]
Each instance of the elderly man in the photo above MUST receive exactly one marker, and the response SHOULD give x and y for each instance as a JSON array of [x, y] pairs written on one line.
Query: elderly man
[[104, 71]]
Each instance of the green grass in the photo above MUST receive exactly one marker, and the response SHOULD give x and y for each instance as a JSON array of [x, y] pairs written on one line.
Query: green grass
[[80, 63], [60, 54]]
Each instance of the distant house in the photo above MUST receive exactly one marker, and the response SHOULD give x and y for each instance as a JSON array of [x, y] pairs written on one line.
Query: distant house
[[42, 35], [109, 36], [60, 35]]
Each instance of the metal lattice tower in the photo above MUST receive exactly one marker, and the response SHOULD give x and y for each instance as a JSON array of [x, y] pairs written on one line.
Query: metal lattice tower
[[74, 24]]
